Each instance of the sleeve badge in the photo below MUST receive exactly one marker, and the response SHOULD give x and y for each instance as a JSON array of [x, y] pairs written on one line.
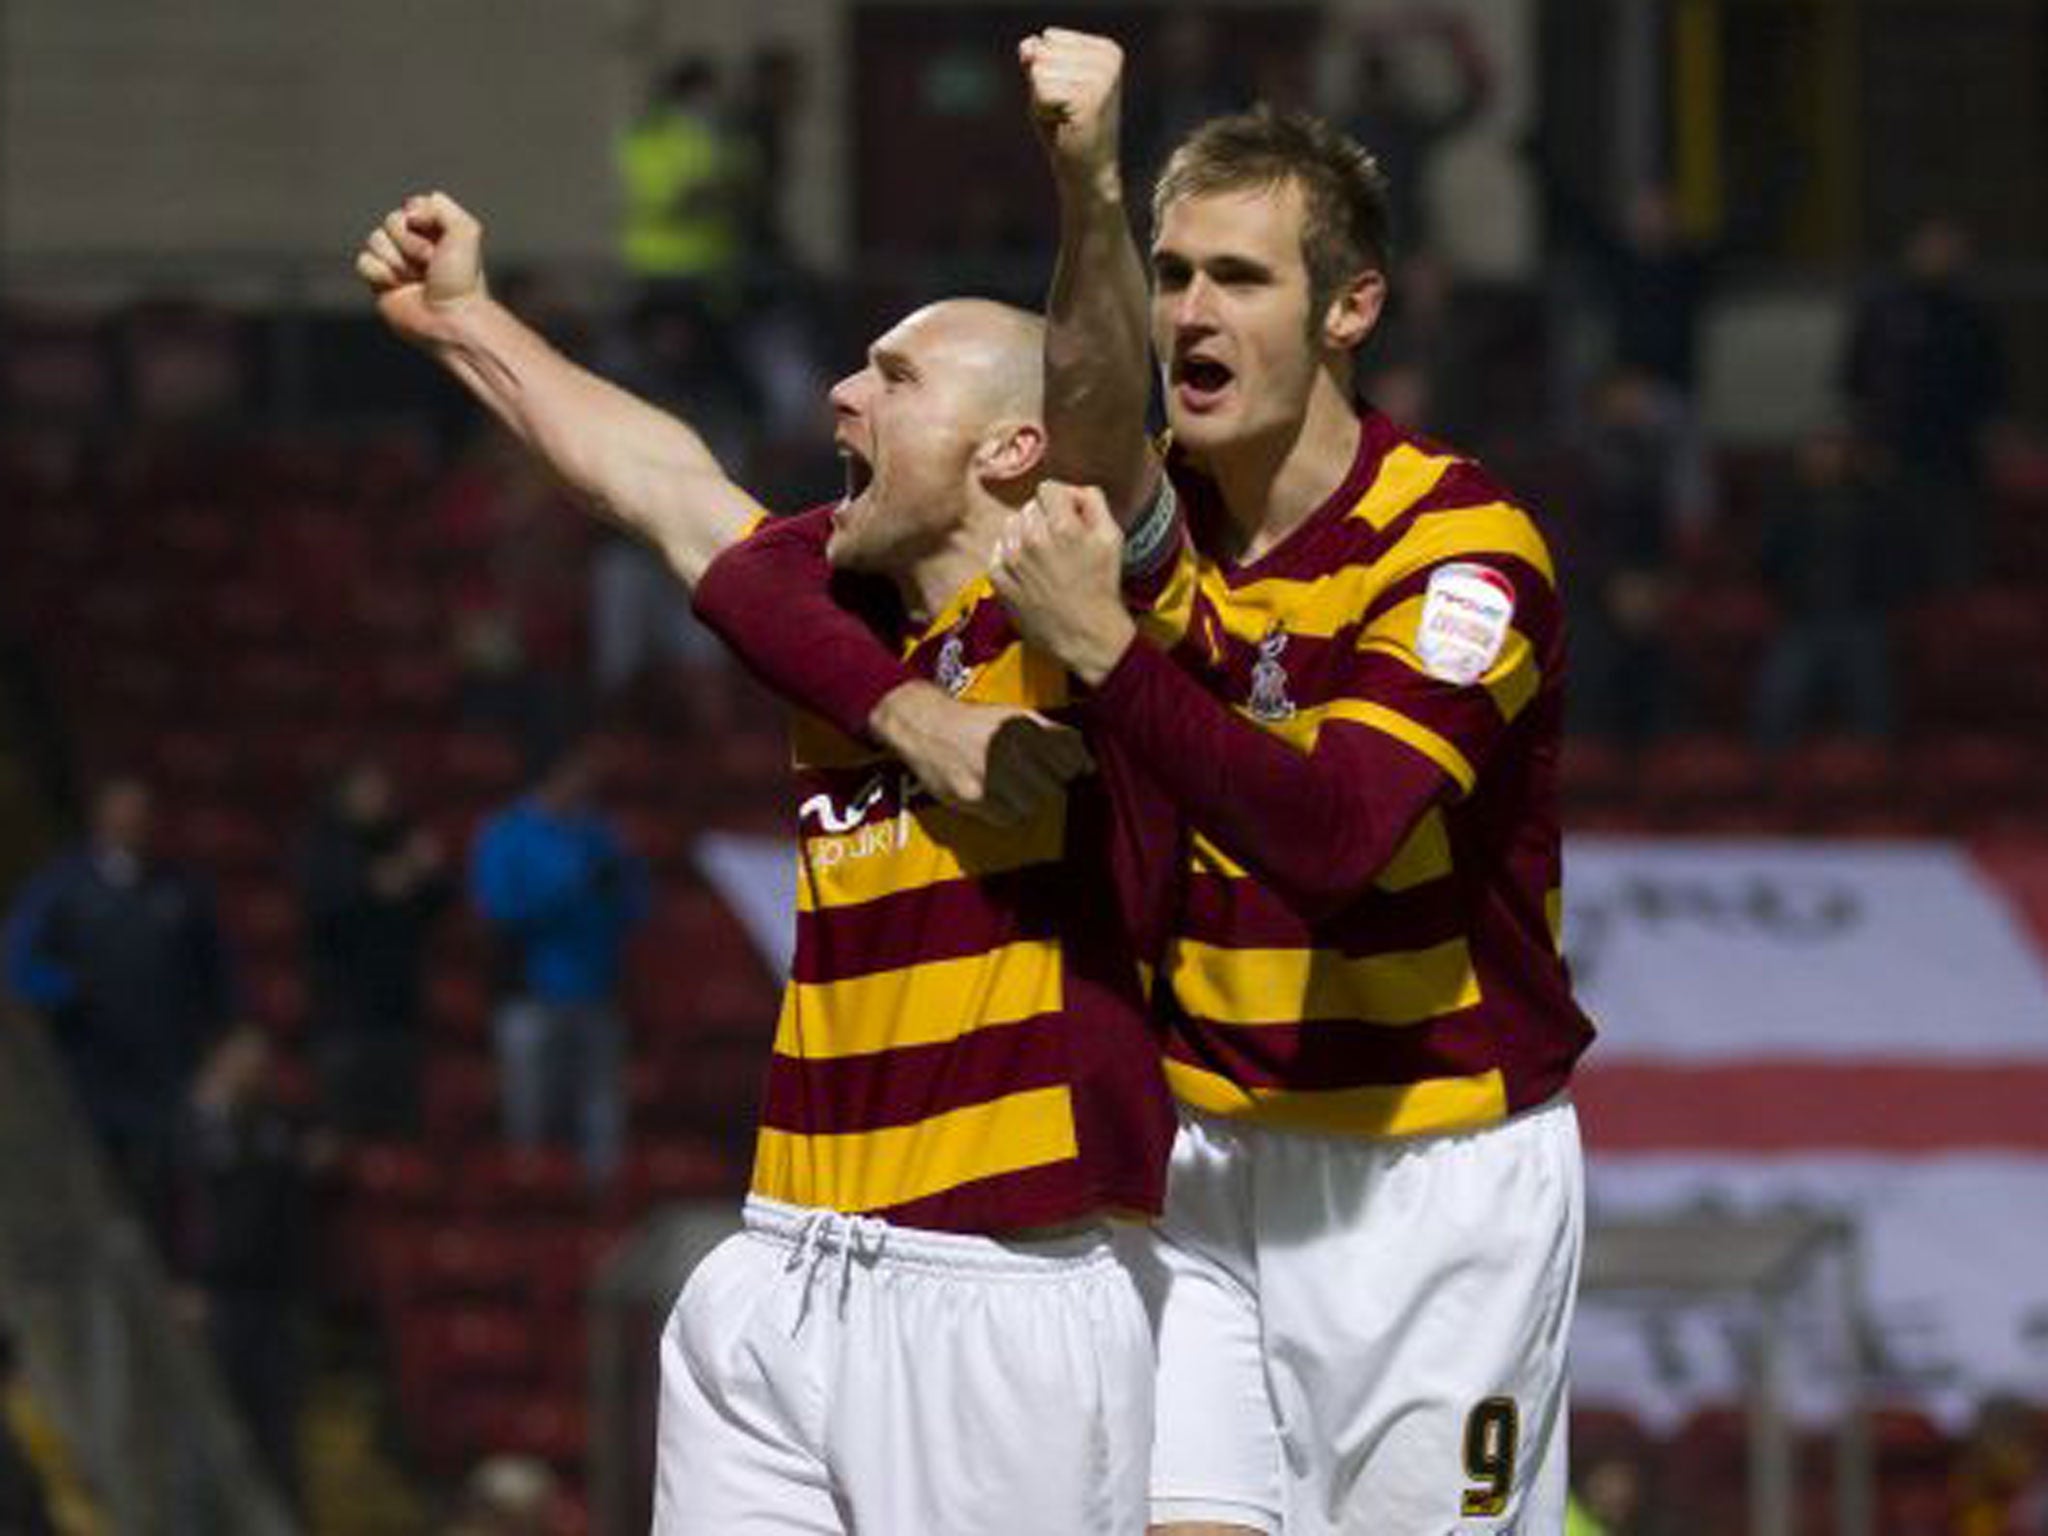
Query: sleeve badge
[[1466, 612]]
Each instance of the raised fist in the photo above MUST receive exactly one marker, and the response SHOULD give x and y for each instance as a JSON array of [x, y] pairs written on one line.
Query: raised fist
[[423, 262], [1074, 80]]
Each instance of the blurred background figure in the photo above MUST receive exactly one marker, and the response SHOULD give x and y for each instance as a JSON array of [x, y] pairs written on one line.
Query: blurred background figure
[[372, 884], [1610, 1497], [515, 552], [24, 1508], [243, 1238], [1187, 77], [120, 950], [563, 893], [508, 1495], [1839, 556], [1622, 534], [2001, 1475], [647, 649], [761, 121], [687, 185], [1416, 78], [1925, 371]]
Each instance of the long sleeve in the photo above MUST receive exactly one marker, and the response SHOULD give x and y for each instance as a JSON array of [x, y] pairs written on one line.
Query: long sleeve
[[774, 598], [1411, 709], [34, 974], [1317, 825]]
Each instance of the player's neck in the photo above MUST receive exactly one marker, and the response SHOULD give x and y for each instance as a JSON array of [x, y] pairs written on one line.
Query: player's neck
[[1272, 486], [935, 577]]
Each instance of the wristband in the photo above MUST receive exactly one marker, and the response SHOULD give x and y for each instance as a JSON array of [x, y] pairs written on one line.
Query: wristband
[[1150, 536]]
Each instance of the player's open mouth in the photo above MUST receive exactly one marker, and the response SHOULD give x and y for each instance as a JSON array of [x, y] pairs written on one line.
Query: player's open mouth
[[859, 474], [1200, 382]]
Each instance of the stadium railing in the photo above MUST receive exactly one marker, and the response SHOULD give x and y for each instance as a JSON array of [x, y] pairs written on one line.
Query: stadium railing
[[129, 1386]]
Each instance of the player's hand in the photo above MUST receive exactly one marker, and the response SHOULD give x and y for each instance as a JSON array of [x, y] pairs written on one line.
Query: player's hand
[[424, 263], [1074, 81], [1059, 570], [997, 764]]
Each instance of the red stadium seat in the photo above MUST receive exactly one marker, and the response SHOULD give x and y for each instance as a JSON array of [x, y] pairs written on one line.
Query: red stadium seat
[[1686, 777], [1826, 783], [195, 762], [552, 1427], [226, 839], [505, 1182], [458, 1001], [197, 539], [478, 764], [262, 917], [397, 1177], [276, 994], [566, 1259], [471, 1262], [682, 1168], [459, 1105], [1958, 780], [413, 686], [469, 1344], [1594, 775]]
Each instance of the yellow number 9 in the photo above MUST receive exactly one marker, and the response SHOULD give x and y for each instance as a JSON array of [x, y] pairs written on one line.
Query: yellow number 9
[[1491, 1432]]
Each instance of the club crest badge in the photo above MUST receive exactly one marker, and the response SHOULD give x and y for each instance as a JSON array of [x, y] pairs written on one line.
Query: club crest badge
[[1269, 699], [950, 671], [1466, 612]]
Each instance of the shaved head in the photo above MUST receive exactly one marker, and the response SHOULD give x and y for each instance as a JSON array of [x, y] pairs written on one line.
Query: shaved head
[[999, 350]]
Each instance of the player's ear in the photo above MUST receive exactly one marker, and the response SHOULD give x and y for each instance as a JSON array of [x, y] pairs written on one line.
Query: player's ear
[[1012, 451], [1355, 310]]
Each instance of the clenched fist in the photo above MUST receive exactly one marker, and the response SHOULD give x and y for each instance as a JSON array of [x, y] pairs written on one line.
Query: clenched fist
[[425, 261], [1074, 80], [1057, 568]]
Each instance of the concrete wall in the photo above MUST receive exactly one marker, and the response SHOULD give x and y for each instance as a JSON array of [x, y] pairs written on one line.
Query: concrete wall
[[203, 130]]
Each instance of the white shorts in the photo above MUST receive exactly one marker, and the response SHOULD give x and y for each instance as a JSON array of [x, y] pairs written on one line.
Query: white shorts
[[826, 1374], [1366, 1336]]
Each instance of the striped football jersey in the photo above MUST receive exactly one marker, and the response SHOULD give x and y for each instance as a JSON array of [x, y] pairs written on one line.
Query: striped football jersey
[[964, 1041], [1406, 640]]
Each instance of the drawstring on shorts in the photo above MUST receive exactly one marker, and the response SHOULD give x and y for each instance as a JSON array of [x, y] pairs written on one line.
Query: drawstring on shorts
[[855, 1237]]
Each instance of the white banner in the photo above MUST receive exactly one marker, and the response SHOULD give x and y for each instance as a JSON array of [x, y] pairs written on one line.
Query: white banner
[[1703, 951]]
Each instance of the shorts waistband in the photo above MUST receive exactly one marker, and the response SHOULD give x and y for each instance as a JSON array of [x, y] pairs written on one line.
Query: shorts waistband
[[871, 1237], [1246, 1129]]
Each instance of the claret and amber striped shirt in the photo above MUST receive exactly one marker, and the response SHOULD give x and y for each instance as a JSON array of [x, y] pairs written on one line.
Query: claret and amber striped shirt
[[1369, 938], [964, 1042]]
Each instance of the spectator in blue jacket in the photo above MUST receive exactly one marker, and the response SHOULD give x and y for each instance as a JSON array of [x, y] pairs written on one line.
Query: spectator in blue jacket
[[555, 881], [122, 953]]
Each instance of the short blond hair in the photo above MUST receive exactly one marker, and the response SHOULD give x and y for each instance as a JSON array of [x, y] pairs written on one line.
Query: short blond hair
[[1348, 227]]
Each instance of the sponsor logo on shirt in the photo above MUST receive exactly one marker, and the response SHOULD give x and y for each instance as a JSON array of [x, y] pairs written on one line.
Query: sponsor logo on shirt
[[846, 834]]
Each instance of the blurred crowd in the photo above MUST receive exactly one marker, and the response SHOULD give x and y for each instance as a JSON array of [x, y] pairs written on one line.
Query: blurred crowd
[[551, 625]]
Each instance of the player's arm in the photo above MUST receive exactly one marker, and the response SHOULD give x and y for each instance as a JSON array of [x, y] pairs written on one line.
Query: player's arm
[[632, 464], [1318, 823], [1097, 368], [652, 473], [996, 763]]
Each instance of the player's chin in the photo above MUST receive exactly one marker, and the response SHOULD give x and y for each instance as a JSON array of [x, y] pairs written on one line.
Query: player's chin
[[1201, 429], [845, 550]]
